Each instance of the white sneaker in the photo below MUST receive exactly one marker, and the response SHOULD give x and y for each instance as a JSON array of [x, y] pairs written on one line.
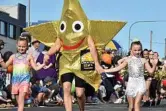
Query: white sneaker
[[47, 101], [118, 101]]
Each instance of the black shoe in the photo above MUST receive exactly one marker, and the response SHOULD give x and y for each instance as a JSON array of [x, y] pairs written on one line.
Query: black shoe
[[146, 104], [158, 102], [153, 103], [41, 104]]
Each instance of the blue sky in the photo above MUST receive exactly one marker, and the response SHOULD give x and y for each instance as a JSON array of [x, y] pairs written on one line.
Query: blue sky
[[119, 10]]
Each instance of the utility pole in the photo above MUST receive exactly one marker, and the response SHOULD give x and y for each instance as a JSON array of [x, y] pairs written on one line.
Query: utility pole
[[136, 22], [151, 32], [165, 49], [29, 14]]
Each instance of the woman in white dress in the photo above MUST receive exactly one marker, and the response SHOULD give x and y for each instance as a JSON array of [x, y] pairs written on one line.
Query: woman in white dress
[[136, 84]]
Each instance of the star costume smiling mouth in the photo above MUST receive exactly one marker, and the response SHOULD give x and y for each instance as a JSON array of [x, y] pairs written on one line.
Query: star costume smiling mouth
[[67, 47]]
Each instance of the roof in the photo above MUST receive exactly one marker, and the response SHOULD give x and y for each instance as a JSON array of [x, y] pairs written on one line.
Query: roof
[[1, 10]]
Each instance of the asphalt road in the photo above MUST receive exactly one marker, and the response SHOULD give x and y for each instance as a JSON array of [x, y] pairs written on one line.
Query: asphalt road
[[94, 107]]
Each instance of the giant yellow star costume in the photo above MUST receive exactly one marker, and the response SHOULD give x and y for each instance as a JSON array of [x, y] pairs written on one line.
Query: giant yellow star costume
[[73, 29]]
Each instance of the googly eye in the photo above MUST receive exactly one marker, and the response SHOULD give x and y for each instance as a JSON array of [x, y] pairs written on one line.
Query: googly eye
[[63, 26], [78, 26]]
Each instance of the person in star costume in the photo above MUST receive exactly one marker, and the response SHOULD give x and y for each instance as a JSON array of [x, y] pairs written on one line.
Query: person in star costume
[[78, 39]]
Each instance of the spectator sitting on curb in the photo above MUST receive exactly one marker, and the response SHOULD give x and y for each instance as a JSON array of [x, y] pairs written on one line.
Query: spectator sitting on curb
[[51, 84], [39, 92]]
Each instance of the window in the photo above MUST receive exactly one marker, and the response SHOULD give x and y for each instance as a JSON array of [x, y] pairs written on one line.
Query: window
[[12, 33], [3, 28]]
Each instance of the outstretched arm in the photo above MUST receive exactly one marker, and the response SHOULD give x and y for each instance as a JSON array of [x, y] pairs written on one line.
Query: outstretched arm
[[55, 48], [118, 68], [34, 65], [121, 60], [94, 54]]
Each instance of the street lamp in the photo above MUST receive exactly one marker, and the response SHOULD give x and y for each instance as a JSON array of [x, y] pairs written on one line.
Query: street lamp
[[140, 22]]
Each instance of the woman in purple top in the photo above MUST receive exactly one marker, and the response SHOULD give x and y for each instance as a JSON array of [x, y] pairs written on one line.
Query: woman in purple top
[[48, 70]]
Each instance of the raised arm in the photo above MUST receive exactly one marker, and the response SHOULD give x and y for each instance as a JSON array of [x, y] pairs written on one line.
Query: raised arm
[[9, 62], [94, 54], [118, 68], [163, 68], [153, 68]]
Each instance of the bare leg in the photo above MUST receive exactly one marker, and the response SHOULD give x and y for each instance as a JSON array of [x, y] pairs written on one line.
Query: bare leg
[[2, 99], [137, 102], [21, 101], [67, 96], [80, 97], [131, 103], [40, 97]]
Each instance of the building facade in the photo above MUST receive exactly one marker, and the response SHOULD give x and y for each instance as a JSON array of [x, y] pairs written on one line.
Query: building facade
[[12, 22]]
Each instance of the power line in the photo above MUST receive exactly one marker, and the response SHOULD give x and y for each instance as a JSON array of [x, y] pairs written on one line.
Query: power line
[[149, 21], [153, 42]]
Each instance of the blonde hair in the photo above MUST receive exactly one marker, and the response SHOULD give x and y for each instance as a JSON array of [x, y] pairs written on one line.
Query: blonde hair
[[23, 38]]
